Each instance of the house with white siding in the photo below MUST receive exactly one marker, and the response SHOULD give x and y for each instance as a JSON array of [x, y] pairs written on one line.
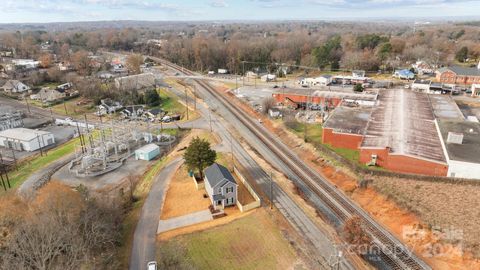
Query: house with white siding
[[220, 186]]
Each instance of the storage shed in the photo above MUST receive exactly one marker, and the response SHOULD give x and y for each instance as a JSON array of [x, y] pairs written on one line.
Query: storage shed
[[24, 139], [147, 152]]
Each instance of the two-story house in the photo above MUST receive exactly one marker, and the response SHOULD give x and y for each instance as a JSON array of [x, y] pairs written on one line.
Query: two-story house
[[220, 186]]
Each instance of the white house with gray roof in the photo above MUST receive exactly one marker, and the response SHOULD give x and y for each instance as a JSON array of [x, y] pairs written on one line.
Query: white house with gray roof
[[220, 186]]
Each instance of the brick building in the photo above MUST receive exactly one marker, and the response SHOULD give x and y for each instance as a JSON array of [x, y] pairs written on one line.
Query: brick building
[[459, 75]]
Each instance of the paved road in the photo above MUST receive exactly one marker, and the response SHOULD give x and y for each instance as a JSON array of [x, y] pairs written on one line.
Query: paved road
[[42, 176], [184, 221], [323, 247], [143, 249]]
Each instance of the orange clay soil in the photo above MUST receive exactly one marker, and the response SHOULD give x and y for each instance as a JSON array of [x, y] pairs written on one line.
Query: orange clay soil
[[386, 212], [182, 197]]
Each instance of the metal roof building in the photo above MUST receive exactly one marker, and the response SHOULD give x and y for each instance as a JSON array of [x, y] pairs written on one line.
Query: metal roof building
[[24, 139]]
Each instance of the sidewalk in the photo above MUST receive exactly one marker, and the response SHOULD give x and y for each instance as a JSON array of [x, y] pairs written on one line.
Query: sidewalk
[[184, 221]]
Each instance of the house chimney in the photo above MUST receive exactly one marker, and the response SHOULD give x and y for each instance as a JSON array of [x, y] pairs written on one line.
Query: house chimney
[[454, 137]]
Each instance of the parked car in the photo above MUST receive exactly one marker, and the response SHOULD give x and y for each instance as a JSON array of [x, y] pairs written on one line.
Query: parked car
[[152, 265]]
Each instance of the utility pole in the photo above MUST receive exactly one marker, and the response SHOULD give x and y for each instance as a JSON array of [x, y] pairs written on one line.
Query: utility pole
[[231, 150], [306, 121], [210, 119], [271, 190], [195, 97], [14, 159], [65, 107], [243, 75], [26, 101], [39, 145], [80, 137], [51, 114], [88, 132], [186, 99]]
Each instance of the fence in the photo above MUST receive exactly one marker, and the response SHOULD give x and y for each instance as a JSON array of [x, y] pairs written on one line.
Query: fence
[[199, 184], [252, 205], [73, 123]]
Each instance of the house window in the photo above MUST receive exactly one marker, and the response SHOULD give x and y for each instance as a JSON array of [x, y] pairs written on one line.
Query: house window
[[229, 189]]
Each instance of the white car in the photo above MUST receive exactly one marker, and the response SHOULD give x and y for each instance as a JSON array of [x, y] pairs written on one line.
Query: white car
[[152, 265]]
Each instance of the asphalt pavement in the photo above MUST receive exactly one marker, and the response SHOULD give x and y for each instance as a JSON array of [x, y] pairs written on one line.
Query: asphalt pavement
[[144, 238]]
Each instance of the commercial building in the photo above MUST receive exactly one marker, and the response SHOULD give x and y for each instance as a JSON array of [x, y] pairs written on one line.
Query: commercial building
[[459, 75], [300, 97], [401, 135], [147, 152], [24, 139], [409, 132], [346, 127], [461, 144]]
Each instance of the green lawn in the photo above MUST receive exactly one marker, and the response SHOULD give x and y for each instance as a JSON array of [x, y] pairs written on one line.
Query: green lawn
[[314, 136], [352, 155], [314, 131], [27, 167], [252, 242], [170, 103]]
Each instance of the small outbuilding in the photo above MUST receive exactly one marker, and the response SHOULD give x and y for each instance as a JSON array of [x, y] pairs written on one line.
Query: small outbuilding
[[24, 139], [147, 152]]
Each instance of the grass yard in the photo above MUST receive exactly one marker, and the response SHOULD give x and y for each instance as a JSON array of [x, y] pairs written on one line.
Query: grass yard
[[170, 103], [73, 109], [314, 131], [29, 166], [314, 136], [352, 155], [251, 242]]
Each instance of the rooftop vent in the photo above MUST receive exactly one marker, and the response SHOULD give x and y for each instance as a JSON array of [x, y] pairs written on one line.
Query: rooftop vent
[[454, 137]]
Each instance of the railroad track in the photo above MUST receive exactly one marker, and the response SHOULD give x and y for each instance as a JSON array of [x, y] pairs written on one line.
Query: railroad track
[[392, 251]]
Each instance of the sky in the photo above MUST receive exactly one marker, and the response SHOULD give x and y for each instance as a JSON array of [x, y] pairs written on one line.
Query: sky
[[21, 11]]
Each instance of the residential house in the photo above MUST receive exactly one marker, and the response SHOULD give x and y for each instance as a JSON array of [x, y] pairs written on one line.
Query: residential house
[[220, 186], [47, 94], [133, 111], [15, 86], [268, 78], [404, 74], [65, 66], [18, 64], [105, 75], [274, 113], [423, 68], [222, 71], [119, 68], [459, 75], [65, 86], [358, 73], [136, 82], [108, 106], [153, 114]]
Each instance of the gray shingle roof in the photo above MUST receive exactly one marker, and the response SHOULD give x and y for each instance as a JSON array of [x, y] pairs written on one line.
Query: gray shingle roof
[[465, 71], [217, 173]]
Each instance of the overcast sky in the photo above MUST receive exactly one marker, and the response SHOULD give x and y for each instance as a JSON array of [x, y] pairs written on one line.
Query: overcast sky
[[15, 11]]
